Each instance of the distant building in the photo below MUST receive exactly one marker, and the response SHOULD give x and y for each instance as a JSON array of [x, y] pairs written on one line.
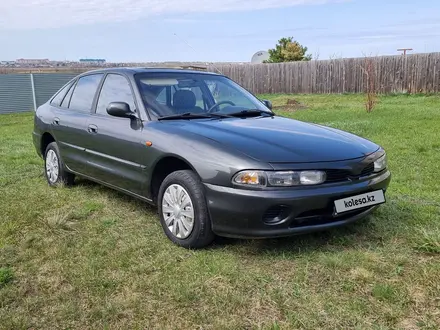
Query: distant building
[[31, 61], [92, 61]]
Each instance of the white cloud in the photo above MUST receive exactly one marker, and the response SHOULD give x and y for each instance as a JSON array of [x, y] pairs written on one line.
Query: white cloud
[[178, 20], [31, 14], [380, 36]]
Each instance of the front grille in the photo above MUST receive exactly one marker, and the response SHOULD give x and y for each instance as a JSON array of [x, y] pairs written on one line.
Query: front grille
[[323, 216], [368, 170], [336, 175]]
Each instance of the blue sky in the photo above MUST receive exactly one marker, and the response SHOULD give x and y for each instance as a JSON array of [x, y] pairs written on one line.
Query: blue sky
[[227, 30]]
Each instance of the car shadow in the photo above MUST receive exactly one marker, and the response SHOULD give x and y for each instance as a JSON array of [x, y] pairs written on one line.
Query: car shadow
[[381, 226], [85, 183], [359, 234]]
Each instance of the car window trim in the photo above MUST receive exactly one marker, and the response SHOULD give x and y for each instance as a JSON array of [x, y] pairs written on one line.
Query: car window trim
[[70, 84], [99, 90], [168, 96], [72, 88]]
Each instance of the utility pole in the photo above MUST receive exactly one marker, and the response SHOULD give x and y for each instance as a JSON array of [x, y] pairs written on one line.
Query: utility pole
[[404, 50]]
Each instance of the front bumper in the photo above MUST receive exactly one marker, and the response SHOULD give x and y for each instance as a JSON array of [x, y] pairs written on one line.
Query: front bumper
[[241, 213]]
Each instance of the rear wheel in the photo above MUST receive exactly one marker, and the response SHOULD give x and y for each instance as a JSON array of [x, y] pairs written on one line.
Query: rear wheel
[[183, 211], [54, 168]]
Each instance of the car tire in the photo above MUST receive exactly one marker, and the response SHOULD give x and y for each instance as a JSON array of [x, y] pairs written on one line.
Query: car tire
[[181, 197], [54, 168]]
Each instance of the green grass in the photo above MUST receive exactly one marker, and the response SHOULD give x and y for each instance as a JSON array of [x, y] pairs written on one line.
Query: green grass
[[5, 276], [88, 257]]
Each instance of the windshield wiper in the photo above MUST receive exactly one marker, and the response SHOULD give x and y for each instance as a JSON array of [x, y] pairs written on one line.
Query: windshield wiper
[[251, 113], [219, 115], [186, 115], [190, 115]]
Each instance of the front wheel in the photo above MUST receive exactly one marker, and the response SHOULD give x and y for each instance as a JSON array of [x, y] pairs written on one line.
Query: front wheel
[[54, 169], [183, 211]]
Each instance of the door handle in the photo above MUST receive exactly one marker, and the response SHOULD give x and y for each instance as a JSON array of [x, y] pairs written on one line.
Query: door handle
[[56, 121], [92, 129]]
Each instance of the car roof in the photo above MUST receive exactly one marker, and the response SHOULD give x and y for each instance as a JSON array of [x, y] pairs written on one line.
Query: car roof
[[134, 70]]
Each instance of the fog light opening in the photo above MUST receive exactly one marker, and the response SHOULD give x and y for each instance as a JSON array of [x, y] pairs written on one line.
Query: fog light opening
[[276, 214]]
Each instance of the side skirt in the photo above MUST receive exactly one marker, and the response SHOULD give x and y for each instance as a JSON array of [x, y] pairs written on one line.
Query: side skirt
[[127, 192]]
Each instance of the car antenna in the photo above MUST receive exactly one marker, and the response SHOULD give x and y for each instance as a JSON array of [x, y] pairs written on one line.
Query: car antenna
[[186, 43]]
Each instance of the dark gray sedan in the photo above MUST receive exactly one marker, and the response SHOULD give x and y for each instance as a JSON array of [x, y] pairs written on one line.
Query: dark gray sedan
[[211, 156]]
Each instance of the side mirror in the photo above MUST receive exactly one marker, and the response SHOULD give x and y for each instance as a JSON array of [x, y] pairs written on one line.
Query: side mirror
[[268, 104], [120, 109]]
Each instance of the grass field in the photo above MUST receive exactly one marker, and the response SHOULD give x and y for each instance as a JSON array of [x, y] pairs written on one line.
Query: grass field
[[88, 257]]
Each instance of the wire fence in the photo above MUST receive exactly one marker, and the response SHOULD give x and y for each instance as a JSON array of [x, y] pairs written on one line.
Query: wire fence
[[26, 92]]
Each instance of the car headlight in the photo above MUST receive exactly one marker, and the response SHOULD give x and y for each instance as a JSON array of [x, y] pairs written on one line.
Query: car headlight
[[279, 178], [380, 164], [251, 178]]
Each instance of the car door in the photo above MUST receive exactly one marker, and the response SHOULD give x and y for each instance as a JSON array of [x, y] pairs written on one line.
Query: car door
[[116, 150], [69, 122]]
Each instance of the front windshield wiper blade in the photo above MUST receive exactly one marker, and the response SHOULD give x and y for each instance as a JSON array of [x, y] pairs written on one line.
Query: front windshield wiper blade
[[190, 115], [219, 115], [186, 115], [251, 112]]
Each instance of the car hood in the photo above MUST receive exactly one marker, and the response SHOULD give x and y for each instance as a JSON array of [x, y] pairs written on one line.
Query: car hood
[[281, 140]]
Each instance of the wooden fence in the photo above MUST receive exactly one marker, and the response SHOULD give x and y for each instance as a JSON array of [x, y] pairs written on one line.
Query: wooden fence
[[418, 73]]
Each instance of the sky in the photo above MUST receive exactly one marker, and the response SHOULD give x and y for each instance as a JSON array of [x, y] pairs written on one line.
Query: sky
[[213, 30]]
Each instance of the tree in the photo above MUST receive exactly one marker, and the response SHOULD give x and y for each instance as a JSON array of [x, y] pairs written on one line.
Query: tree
[[288, 50], [369, 70]]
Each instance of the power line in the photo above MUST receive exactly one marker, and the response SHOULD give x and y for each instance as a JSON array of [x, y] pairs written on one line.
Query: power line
[[186, 43]]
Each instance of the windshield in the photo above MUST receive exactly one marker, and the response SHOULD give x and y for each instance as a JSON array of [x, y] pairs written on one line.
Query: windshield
[[170, 94]]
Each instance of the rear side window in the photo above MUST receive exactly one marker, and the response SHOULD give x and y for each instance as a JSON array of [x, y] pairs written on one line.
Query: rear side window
[[66, 101], [56, 101], [84, 93], [116, 88]]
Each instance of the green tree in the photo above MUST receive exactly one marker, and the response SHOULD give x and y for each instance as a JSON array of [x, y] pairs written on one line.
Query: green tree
[[288, 50]]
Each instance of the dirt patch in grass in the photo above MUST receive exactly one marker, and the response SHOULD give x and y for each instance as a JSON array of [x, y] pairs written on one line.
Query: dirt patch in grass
[[291, 105]]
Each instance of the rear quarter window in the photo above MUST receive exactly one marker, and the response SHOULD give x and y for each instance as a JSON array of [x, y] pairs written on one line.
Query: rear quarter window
[[66, 100], [56, 101]]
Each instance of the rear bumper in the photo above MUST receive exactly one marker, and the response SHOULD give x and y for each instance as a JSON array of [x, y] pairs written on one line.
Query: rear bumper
[[240, 213]]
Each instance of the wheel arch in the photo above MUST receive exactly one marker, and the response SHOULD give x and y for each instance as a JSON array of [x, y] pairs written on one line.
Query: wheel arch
[[163, 167], [46, 139]]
